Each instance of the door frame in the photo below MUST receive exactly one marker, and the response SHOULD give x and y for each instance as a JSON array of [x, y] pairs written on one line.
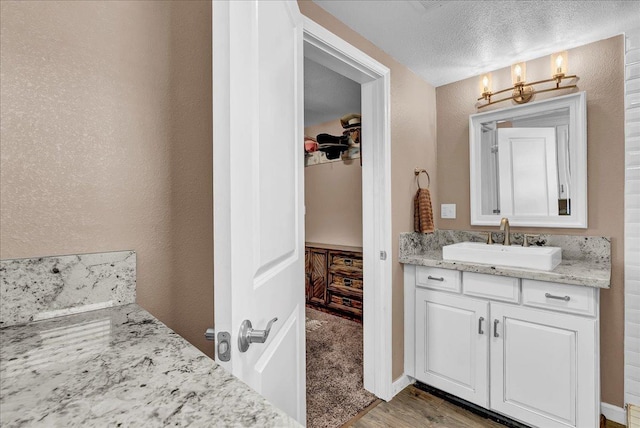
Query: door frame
[[329, 50]]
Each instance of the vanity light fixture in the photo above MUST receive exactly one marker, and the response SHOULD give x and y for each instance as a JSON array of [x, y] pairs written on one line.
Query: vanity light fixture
[[522, 91]]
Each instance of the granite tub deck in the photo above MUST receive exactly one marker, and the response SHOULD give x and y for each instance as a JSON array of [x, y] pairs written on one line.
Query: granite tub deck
[[119, 367], [586, 260]]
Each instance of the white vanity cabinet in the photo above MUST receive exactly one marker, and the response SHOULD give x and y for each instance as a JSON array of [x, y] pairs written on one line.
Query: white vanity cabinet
[[526, 349]]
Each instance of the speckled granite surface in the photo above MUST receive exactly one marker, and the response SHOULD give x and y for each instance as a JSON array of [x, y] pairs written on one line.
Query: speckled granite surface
[[119, 367], [586, 260], [45, 287]]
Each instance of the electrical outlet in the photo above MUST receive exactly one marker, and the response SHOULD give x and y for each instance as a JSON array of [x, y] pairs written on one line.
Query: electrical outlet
[[447, 210]]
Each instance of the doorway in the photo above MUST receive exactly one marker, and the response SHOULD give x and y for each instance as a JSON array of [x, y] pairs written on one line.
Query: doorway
[[333, 248], [328, 50]]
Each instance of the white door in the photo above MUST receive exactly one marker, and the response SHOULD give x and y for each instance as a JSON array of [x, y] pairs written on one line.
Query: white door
[[542, 367], [452, 344], [528, 171], [258, 194]]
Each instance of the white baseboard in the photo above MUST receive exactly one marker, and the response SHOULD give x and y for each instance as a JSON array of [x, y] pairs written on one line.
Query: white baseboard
[[401, 383], [614, 413]]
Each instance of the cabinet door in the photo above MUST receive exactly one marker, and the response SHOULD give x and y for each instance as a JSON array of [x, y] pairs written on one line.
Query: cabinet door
[[451, 344], [544, 367], [307, 274], [318, 276]]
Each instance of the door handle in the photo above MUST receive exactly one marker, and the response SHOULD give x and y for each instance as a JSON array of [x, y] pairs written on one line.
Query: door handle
[[495, 328], [480, 321], [248, 335]]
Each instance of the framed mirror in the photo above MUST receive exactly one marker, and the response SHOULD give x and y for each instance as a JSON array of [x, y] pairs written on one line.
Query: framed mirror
[[529, 164]]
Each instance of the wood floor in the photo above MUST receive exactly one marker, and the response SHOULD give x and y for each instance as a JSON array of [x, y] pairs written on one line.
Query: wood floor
[[413, 408]]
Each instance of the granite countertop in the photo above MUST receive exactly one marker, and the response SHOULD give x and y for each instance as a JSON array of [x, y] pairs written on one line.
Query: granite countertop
[[576, 272], [586, 260], [119, 367]]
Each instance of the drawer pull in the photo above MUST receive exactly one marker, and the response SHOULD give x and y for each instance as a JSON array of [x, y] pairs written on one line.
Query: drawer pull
[[347, 282], [346, 302], [348, 262], [480, 321], [551, 296], [495, 328], [434, 278]]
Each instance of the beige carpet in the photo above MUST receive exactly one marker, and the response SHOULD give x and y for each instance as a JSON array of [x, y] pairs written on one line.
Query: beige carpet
[[334, 370]]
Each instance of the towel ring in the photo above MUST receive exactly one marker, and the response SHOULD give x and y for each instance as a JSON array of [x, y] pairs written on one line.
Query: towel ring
[[419, 171]]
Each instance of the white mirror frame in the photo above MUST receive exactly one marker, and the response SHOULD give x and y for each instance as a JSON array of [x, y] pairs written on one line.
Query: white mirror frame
[[577, 104]]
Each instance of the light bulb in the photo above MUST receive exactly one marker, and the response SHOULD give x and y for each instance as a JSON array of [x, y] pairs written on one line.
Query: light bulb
[[519, 73], [559, 64]]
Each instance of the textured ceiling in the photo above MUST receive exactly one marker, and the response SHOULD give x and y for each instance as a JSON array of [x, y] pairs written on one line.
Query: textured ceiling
[[327, 94], [447, 41]]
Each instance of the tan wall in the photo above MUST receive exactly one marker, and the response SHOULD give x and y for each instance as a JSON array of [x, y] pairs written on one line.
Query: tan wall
[[106, 143], [600, 68], [333, 196], [413, 144]]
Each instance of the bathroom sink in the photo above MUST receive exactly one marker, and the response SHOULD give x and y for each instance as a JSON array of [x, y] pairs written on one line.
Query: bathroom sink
[[541, 258]]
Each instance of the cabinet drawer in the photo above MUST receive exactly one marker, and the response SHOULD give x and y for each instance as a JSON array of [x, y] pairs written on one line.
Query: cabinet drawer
[[352, 261], [345, 291], [492, 287], [349, 303], [438, 279], [574, 299], [342, 281], [346, 301]]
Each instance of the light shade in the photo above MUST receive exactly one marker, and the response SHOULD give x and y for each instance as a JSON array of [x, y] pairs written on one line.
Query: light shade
[[559, 63], [485, 83], [519, 73]]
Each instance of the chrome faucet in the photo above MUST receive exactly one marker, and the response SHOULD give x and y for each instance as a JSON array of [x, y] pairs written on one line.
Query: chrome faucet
[[504, 225]]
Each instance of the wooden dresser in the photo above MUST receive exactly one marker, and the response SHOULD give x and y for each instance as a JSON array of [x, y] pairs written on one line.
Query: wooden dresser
[[334, 278]]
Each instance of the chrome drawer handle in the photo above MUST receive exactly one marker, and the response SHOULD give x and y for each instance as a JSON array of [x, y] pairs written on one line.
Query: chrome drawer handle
[[480, 321], [495, 328], [551, 296], [435, 279]]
